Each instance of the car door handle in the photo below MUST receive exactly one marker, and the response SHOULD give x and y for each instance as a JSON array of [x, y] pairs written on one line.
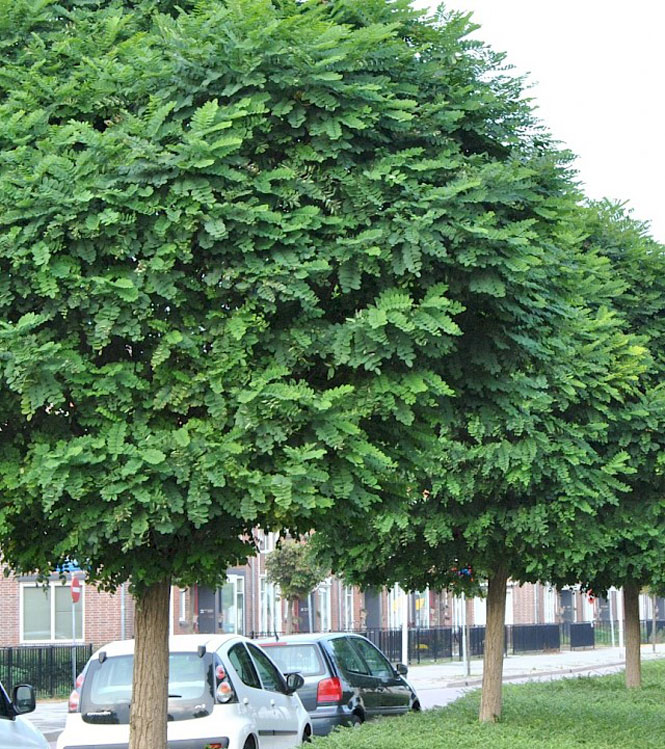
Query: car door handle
[[272, 703]]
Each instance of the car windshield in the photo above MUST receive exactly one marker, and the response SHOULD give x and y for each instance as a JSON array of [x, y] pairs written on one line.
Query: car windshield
[[305, 659], [107, 688]]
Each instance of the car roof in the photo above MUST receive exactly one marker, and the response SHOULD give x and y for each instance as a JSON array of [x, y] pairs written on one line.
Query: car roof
[[305, 638], [177, 644]]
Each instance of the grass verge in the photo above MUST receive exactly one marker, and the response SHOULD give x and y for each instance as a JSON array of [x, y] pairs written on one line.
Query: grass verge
[[596, 712]]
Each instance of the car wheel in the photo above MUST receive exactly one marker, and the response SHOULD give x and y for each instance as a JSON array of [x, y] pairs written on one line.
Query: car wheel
[[416, 707], [249, 744], [306, 736], [356, 720]]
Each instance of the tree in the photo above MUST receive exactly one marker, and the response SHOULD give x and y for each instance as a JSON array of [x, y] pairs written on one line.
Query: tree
[[294, 567], [632, 552], [521, 473], [221, 295]]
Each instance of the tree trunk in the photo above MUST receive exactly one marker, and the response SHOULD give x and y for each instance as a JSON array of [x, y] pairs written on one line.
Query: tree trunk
[[631, 607], [490, 700], [151, 669]]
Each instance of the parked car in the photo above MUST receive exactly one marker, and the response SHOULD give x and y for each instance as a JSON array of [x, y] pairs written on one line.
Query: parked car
[[15, 730], [224, 692], [347, 679]]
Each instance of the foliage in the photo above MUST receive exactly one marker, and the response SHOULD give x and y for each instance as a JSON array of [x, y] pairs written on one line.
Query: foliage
[[233, 236], [597, 713], [294, 567], [633, 530]]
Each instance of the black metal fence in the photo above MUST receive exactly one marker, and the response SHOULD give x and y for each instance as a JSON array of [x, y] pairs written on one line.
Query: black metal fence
[[47, 667], [445, 643]]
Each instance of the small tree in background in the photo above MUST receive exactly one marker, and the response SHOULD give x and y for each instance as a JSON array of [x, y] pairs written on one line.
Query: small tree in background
[[294, 567]]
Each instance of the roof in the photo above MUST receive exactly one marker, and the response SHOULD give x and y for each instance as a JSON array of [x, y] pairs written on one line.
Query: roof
[[177, 644], [304, 637]]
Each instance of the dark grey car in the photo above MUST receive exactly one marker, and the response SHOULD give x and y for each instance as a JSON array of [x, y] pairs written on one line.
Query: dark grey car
[[347, 679]]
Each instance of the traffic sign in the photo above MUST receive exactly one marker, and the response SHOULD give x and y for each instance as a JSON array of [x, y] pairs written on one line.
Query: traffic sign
[[76, 589]]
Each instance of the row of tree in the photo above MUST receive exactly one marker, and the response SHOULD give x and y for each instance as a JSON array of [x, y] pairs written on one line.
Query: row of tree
[[310, 265]]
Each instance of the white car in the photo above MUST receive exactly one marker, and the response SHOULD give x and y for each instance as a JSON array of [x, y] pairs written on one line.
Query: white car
[[15, 730], [224, 692]]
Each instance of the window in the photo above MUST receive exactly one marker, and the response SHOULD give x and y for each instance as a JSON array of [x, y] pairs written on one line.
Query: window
[[549, 605], [266, 541], [347, 605], [378, 665], [232, 604], [270, 676], [325, 621], [347, 658], [243, 666], [304, 659], [395, 607], [46, 613], [270, 621], [421, 602]]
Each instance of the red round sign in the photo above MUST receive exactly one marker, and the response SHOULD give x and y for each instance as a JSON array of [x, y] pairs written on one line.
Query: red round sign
[[76, 589]]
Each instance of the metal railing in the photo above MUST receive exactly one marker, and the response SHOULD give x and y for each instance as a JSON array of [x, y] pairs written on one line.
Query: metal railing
[[445, 643], [47, 667]]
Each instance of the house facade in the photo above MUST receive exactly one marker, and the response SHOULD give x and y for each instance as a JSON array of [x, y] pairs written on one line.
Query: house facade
[[248, 603]]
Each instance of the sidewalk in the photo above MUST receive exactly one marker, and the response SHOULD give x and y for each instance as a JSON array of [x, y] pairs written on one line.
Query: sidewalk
[[452, 673], [49, 717]]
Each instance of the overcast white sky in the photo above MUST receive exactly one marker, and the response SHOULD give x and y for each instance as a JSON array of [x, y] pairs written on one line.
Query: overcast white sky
[[598, 69]]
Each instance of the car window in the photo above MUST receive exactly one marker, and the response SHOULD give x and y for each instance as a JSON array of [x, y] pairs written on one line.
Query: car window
[[106, 693], [305, 658], [270, 676], [377, 662], [4, 704], [240, 660], [347, 658]]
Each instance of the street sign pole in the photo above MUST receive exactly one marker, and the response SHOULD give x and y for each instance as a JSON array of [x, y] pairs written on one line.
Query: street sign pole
[[76, 594]]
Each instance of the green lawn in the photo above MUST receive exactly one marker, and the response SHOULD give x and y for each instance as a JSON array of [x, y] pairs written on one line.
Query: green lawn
[[583, 712]]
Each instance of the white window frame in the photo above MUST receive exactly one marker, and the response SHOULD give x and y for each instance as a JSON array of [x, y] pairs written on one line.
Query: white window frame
[[80, 636], [270, 618], [324, 590], [395, 607], [182, 605], [422, 612], [549, 605], [266, 541], [347, 607]]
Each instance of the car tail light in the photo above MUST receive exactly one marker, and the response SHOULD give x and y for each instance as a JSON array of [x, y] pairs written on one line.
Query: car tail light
[[73, 704], [329, 690]]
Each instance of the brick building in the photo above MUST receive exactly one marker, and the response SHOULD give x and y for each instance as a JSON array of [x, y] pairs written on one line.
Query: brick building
[[249, 604]]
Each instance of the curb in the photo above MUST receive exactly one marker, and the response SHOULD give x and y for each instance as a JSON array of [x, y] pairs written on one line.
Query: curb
[[512, 677]]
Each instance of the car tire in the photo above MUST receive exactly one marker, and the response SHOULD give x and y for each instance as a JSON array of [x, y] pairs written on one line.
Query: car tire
[[356, 720], [249, 743], [415, 708], [306, 736]]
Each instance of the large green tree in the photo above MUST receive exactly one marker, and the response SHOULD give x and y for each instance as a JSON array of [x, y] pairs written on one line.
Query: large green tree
[[226, 236], [631, 553]]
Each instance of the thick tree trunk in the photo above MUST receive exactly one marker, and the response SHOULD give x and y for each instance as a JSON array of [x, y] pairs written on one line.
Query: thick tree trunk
[[631, 607], [490, 700], [151, 669]]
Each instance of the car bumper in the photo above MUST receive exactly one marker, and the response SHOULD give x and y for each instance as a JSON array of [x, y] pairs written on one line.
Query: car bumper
[[325, 722]]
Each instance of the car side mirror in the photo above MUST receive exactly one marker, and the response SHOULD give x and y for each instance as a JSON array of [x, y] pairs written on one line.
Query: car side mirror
[[293, 682], [401, 669], [23, 699]]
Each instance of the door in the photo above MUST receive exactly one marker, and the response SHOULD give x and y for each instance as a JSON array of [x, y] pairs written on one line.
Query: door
[[283, 716], [254, 701], [356, 672], [393, 696]]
